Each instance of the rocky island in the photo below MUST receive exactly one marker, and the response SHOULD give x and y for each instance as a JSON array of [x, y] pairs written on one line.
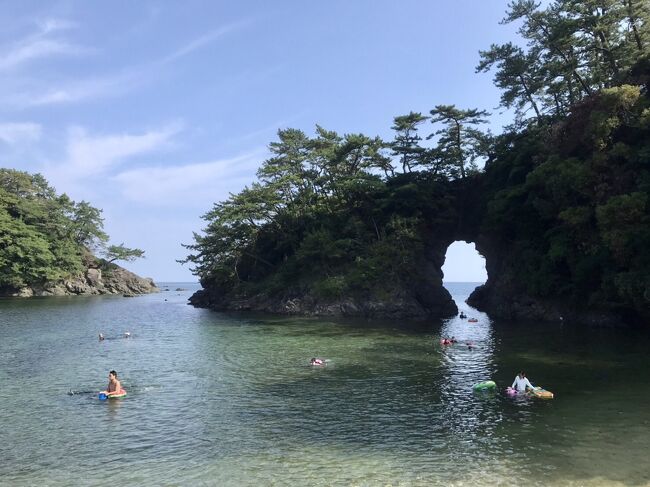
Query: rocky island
[[357, 225], [47, 244]]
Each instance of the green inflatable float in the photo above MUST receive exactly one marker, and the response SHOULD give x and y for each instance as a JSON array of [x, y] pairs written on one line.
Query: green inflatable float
[[485, 386]]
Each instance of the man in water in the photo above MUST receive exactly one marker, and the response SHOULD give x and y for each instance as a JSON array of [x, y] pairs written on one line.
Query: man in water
[[521, 382], [114, 386]]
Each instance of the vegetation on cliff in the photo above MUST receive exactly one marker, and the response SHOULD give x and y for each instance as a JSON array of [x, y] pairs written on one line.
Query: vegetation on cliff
[[562, 201], [47, 237]]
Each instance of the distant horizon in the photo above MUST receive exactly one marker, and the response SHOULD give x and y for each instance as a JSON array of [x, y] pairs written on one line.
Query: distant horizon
[[197, 282]]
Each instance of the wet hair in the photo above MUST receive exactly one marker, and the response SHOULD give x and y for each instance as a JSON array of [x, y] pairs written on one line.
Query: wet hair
[[522, 373], [112, 372]]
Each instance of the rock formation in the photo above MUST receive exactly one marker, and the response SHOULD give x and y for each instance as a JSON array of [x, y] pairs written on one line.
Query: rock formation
[[99, 277]]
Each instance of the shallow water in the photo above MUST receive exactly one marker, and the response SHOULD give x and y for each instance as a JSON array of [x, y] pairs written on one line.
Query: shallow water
[[216, 399]]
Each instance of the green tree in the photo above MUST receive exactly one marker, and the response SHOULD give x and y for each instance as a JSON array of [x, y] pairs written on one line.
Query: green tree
[[517, 75], [87, 225], [458, 141], [120, 252], [406, 143], [44, 236]]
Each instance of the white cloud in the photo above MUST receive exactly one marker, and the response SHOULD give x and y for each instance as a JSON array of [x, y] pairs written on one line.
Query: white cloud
[[89, 155], [100, 86], [39, 45], [53, 25], [203, 40], [16, 132], [195, 185], [82, 90]]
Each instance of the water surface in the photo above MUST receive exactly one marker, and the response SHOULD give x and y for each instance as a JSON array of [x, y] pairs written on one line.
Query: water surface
[[223, 399]]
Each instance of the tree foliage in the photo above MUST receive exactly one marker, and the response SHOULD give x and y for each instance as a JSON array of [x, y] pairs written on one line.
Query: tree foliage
[[565, 189], [574, 48], [43, 236], [120, 252]]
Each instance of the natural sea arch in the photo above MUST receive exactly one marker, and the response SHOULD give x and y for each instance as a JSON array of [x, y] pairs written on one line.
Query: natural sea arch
[[463, 263]]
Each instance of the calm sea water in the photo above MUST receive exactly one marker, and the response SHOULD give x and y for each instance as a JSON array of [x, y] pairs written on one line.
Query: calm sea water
[[217, 399]]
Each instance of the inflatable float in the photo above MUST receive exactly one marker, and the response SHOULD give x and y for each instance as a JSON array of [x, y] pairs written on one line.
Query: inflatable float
[[102, 396], [536, 392], [472, 320], [540, 393], [484, 386]]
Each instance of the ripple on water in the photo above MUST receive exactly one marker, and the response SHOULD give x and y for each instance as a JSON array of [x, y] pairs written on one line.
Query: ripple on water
[[231, 400]]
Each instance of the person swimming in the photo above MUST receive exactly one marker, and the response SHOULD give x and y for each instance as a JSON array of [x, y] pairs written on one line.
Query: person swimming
[[446, 341], [101, 337], [114, 386], [316, 361], [127, 334]]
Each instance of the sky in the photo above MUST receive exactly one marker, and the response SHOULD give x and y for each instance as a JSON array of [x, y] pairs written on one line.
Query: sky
[[154, 111]]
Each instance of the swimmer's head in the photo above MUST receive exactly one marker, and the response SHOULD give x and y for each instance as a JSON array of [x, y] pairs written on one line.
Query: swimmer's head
[[112, 374]]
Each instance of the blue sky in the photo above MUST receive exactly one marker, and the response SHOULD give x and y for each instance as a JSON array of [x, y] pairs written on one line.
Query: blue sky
[[153, 111]]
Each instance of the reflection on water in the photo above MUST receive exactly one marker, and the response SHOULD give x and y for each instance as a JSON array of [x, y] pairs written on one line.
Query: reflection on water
[[219, 399], [472, 417]]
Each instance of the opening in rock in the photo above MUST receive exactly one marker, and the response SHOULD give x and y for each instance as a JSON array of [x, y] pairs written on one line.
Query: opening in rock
[[463, 271]]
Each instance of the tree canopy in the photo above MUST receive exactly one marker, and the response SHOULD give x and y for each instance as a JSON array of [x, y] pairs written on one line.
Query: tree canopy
[[44, 236]]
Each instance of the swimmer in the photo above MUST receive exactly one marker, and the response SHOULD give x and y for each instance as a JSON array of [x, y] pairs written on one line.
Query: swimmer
[[101, 337], [445, 341], [470, 346], [114, 386], [453, 340], [127, 334], [316, 361]]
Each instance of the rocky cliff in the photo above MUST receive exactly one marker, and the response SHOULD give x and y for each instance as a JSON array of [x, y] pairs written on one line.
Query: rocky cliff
[[561, 214], [99, 277], [402, 303]]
